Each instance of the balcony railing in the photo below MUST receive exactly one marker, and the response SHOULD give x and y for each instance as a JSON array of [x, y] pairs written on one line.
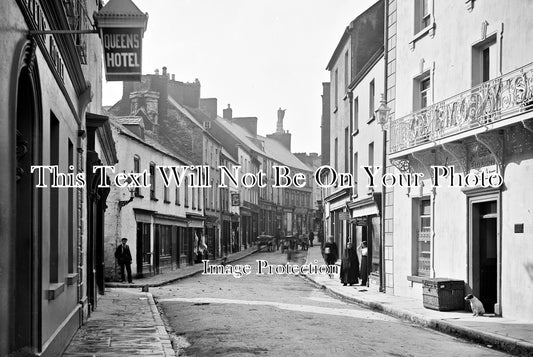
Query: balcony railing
[[487, 103]]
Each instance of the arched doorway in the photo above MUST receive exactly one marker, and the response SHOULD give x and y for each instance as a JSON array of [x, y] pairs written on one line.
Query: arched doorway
[[25, 312]]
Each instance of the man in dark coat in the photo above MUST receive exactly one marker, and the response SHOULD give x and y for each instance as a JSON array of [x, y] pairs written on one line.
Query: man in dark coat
[[123, 256], [311, 238], [349, 266], [331, 252]]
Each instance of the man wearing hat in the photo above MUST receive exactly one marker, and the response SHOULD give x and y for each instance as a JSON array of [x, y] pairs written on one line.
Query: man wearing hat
[[123, 256]]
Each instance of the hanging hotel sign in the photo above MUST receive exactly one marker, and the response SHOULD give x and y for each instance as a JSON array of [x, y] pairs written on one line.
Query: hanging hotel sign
[[121, 26], [235, 199]]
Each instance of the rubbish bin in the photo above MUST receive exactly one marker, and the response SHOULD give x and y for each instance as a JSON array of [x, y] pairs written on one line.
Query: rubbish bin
[[444, 294]]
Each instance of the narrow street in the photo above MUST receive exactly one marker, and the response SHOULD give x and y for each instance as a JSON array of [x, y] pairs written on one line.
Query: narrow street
[[281, 315]]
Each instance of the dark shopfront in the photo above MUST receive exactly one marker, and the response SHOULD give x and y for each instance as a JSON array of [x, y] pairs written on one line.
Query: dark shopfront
[[162, 243], [365, 225]]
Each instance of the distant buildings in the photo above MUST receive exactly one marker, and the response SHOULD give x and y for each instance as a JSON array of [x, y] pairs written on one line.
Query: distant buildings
[[161, 121]]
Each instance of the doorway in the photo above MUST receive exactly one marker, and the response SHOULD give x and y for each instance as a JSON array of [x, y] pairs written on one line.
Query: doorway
[[25, 313], [484, 275]]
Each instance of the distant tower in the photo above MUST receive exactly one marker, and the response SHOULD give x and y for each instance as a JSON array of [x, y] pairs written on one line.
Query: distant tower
[[281, 114]]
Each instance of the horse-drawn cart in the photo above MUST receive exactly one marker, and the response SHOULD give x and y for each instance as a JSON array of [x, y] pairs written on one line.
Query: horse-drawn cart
[[265, 240]]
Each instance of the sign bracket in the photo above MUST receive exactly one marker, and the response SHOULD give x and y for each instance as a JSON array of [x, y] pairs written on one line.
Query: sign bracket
[[61, 32]]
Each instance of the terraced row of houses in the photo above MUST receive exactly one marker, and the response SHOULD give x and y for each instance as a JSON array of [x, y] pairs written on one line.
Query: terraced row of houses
[[164, 122]]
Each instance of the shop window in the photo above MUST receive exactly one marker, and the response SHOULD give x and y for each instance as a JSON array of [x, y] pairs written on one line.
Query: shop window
[[165, 233], [146, 246], [422, 244]]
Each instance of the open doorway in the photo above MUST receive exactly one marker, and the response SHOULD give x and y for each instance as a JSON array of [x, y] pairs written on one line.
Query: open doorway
[[27, 255], [483, 264]]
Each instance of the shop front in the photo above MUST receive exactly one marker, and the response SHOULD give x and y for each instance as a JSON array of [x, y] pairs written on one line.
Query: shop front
[[365, 226]]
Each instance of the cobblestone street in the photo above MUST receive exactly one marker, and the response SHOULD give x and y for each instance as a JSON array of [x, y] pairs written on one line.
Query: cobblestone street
[[283, 315]]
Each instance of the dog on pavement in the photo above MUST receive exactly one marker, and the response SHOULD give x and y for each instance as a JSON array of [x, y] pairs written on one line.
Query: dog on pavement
[[475, 305]]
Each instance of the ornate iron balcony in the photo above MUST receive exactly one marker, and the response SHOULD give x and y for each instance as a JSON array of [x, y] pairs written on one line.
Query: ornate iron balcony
[[489, 102]]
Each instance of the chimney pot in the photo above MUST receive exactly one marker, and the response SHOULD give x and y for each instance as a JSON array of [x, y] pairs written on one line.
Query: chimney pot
[[156, 71], [164, 71]]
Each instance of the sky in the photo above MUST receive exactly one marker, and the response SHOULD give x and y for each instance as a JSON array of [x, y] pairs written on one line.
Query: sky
[[257, 55]]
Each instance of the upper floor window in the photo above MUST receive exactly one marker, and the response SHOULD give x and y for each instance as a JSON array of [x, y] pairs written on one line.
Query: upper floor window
[[422, 15], [166, 190], [186, 188], [336, 79], [372, 99], [421, 91], [152, 181], [484, 60], [346, 71], [356, 114], [137, 169]]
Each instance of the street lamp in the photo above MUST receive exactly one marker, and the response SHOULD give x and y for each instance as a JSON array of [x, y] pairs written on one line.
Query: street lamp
[[382, 117], [131, 189], [382, 113]]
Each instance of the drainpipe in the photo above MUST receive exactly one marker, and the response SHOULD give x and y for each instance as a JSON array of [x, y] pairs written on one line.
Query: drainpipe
[[382, 283]]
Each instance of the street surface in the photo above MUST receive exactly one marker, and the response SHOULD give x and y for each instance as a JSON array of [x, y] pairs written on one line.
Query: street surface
[[282, 315]]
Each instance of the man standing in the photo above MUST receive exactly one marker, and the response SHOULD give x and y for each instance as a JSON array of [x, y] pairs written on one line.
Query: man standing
[[123, 256]]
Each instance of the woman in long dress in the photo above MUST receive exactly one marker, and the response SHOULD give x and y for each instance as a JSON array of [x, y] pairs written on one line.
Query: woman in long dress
[[349, 266], [364, 263]]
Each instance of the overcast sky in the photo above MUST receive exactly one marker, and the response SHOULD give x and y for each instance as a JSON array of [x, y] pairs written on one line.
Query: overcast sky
[[257, 55]]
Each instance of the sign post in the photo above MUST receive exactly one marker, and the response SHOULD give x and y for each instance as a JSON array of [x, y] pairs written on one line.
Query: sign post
[[121, 26]]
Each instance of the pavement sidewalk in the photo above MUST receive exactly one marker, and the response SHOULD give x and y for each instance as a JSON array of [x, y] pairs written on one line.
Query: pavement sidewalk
[[181, 273], [512, 336], [125, 323]]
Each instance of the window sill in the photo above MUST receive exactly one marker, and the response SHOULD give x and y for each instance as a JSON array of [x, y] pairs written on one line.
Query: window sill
[[335, 110], [416, 279], [355, 132], [139, 196], [166, 201], [428, 29], [371, 119], [54, 291], [154, 199], [345, 96], [72, 279]]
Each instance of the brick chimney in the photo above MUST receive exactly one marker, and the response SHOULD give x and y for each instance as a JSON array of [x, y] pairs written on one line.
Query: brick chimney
[[209, 106], [227, 113], [248, 123]]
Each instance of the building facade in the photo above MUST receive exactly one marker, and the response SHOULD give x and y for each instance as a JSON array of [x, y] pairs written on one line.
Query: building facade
[[51, 83], [156, 220], [461, 97], [353, 69]]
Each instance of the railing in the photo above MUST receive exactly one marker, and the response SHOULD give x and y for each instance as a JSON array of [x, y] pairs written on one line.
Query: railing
[[489, 102]]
